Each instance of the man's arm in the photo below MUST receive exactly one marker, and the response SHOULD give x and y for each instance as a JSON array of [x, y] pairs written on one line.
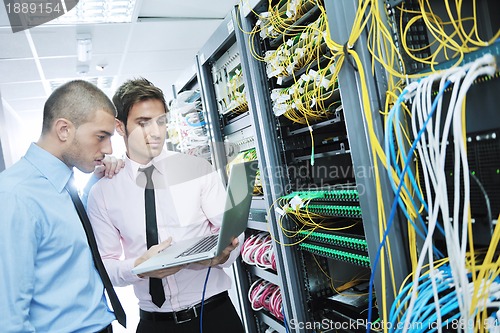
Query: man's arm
[[110, 246], [108, 241], [18, 248]]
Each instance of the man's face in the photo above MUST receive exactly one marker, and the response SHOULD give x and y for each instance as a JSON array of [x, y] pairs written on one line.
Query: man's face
[[91, 142], [146, 130]]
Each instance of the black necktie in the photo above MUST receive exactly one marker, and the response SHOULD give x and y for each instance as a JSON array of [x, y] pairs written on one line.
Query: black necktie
[[115, 302], [155, 285]]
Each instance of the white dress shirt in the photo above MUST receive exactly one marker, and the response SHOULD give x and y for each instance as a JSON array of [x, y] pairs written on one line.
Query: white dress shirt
[[189, 197]]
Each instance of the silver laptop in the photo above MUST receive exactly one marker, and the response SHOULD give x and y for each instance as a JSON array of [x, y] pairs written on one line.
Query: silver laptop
[[234, 222]]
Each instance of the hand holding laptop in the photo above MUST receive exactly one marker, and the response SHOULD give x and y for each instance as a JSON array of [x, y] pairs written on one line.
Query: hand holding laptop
[[154, 250], [215, 246], [221, 258], [161, 273]]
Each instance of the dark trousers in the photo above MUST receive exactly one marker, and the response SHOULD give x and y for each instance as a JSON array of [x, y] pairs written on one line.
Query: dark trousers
[[222, 318]]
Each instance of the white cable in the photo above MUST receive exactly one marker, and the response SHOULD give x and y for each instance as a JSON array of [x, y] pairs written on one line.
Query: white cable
[[421, 109], [462, 157], [261, 284], [432, 218], [433, 158]]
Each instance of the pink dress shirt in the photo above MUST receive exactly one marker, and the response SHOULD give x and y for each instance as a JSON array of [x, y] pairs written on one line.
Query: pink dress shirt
[[189, 203]]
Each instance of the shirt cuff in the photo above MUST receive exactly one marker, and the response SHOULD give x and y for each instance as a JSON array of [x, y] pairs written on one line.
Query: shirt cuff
[[128, 276]]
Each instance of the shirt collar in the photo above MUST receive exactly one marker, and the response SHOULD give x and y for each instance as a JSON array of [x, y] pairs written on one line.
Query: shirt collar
[[51, 167], [133, 168]]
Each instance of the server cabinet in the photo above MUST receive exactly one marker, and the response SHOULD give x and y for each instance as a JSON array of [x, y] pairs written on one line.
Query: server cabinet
[[320, 79], [397, 50], [321, 204], [230, 111]]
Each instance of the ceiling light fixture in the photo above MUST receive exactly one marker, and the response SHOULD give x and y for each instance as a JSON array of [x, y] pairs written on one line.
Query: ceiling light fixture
[[84, 48], [98, 11]]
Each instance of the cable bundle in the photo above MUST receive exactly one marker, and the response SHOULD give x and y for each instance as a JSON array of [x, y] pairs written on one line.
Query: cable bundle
[[464, 37], [279, 19], [430, 313], [297, 51], [238, 101], [266, 295], [431, 141], [258, 250], [186, 126], [310, 98]]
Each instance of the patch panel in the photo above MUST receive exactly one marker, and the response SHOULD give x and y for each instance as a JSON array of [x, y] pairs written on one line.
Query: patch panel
[[332, 210], [336, 240], [353, 258], [326, 195]]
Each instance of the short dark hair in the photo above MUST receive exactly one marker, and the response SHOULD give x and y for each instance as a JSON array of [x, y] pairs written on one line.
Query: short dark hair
[[135, 91], [76, 101]]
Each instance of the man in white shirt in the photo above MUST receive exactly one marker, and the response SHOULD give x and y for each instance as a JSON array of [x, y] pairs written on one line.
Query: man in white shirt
[[188, 202]]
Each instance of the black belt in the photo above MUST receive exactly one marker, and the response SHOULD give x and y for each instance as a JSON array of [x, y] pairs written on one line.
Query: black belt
[[107, 329], [186, 315]]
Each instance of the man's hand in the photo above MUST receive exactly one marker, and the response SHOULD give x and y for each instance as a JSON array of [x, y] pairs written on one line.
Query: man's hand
[[221, 258], [111, 166], [154, 250]]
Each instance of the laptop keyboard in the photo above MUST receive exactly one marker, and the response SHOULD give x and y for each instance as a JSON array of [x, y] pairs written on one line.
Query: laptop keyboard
[[203, 245]]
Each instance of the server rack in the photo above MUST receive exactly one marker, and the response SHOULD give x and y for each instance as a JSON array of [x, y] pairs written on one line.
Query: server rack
[[479, 127], [230, 108], [481, 123], [342, 14], [321, 255], [305, 279], [411, 32]]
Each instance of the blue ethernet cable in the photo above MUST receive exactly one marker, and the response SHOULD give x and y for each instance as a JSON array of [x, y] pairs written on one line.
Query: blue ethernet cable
[[448, 304], [428, 309], [410, 173], [388, 142], [424, 310], [203, 299], [393, 311], [200, 124], [394, 205], [391, 153], [285, 323], [393, 315]]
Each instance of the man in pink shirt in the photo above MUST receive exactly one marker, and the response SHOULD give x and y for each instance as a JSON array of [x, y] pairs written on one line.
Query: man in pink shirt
[[188, 201]]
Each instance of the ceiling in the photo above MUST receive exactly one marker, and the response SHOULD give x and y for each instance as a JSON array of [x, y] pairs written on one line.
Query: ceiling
[[160, 45]]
